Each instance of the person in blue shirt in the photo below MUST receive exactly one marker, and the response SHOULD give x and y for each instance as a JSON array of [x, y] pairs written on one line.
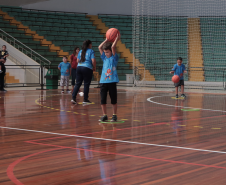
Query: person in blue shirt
[[86, 65], [179, 69], [109, 77], [65, 69]]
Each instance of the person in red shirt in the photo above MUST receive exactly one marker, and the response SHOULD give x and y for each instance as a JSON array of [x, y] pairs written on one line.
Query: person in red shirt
[[74, 66]]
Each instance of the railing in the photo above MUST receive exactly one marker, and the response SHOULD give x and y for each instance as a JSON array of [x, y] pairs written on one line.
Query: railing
[[23, 48], [214, 77], [24, 75], [34, 75], [16, 59]]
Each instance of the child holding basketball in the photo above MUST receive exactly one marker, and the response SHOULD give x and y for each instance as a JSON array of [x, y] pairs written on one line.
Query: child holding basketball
[[109, 77], [65, 69], [179, 69]]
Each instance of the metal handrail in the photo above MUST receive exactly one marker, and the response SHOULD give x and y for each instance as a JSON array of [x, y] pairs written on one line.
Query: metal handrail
[[43, 60]]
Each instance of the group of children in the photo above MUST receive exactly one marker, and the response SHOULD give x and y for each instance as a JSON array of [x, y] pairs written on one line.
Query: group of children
[[85, 59], [86, 64]]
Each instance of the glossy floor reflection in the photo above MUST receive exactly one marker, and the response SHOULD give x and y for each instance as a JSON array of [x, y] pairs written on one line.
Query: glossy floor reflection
[[44, 139]]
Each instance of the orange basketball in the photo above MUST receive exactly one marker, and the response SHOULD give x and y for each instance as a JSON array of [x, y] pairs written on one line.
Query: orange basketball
[[175, 78], [112, 34]]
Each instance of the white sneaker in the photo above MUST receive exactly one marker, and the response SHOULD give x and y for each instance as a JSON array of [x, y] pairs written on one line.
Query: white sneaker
[[81, 93], [73, 101], [62, 91], [68, 91]]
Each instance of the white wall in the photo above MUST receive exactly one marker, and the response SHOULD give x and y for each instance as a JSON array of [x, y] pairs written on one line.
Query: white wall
[[15, 71], [15, 52], [191, 8], [30, 74]]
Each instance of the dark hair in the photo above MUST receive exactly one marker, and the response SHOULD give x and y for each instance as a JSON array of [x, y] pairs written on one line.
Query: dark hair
[[107, 46], [85, 46], [74, 52], [179, 58], [65, 57], [4, 45]]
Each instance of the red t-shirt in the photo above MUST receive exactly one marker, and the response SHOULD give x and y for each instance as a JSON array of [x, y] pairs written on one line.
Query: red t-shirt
[[74, 61]]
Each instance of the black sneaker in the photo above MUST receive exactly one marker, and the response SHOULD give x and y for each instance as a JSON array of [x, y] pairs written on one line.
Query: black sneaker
[[176, 96], [183, 96], [87, 102], [104, 118], [73, 101], [3, 90], [114, 118]]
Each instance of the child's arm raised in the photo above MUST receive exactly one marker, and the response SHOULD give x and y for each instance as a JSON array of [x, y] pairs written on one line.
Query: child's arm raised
[[114, 44], [101, 46]]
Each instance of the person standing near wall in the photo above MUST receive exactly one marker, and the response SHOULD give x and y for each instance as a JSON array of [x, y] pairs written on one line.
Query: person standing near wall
[[74, 66], [3, 55]]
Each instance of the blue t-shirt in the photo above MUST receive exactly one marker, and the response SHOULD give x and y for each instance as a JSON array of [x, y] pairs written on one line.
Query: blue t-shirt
[[109, 71], [179, 70], [89, 56], [65, 68]]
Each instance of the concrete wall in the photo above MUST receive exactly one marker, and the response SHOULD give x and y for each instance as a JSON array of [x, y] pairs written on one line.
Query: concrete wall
[[25, 60], [15, 71]]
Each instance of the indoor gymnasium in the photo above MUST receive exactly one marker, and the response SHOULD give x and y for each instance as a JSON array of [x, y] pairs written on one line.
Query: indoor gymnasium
[[123, 92]]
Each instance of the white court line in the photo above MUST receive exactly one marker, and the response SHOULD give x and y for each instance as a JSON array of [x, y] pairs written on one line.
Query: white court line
[[149, 99], [121, 141]]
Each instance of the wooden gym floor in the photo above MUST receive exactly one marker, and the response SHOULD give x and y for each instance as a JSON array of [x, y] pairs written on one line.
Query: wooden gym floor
[[45, 140]]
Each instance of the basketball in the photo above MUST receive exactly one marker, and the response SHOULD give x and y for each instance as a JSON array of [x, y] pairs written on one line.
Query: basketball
[[112, 34], [175, 78]]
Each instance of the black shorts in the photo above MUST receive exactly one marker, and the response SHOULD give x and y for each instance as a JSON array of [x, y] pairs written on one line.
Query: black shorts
[[3, 58], [180, 83], [104, 88]]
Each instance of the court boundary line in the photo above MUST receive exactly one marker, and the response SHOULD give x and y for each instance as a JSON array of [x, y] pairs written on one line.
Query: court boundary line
[[121, 141], [151, 101], [13, 178], [128, 155], [11, 167]]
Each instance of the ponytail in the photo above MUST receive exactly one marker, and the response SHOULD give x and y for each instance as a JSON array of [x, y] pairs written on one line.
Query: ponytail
[[85, 46]]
